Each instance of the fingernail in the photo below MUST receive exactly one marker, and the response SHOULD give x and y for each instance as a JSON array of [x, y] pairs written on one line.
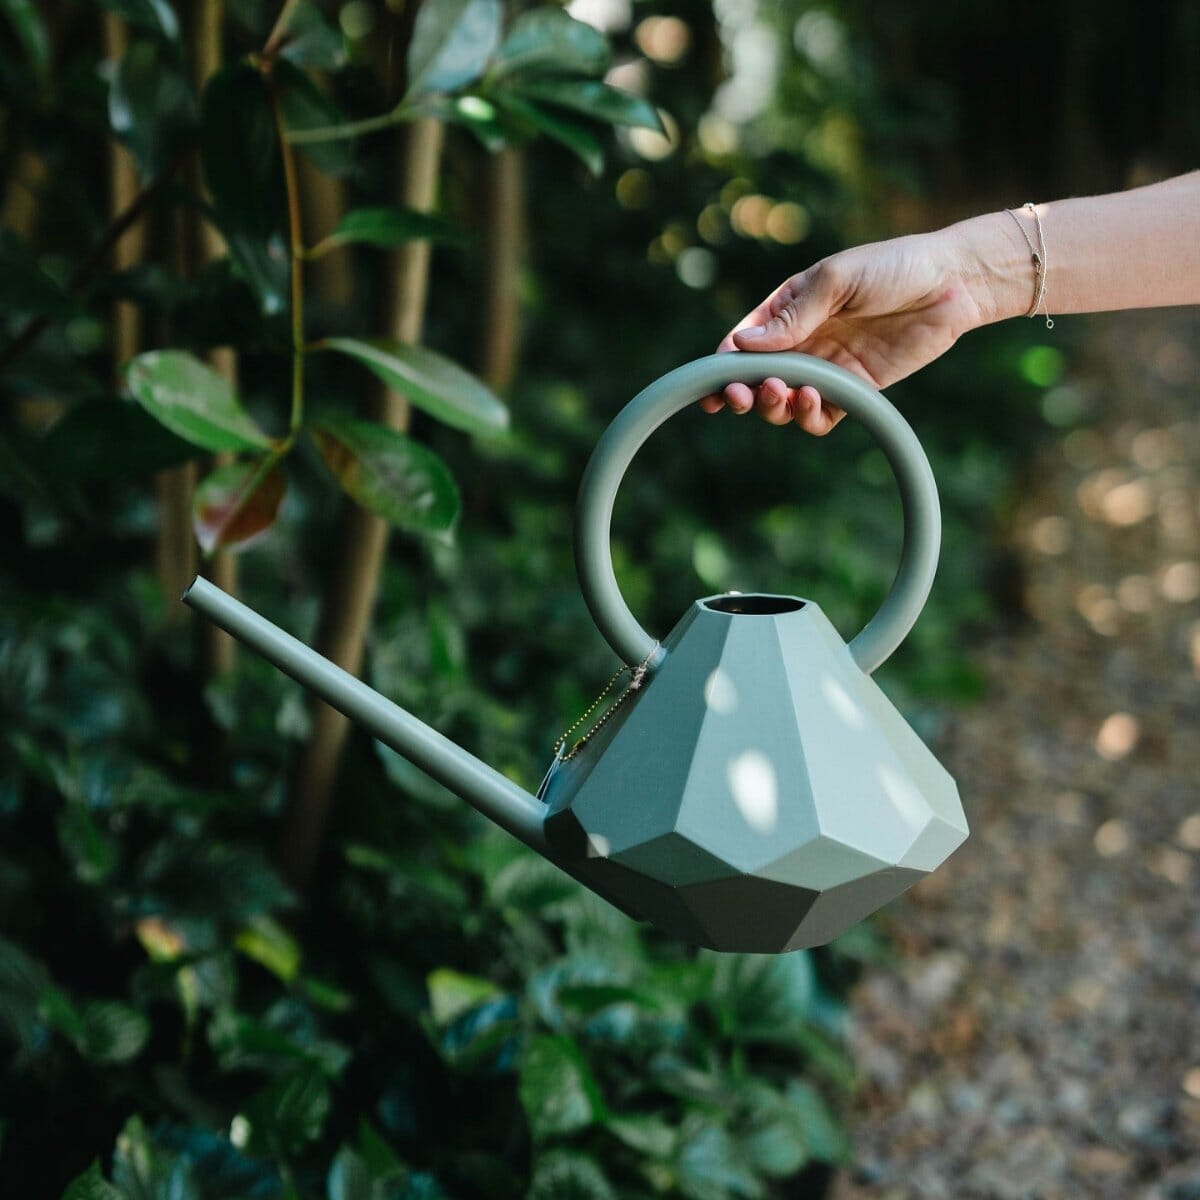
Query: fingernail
[[755, 331]]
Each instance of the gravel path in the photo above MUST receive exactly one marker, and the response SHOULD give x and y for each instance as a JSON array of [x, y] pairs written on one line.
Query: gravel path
[[1040, 1037]]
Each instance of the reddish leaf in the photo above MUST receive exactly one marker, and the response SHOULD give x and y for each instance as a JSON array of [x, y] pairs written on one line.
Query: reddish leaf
[[388, 473], [236, 503]]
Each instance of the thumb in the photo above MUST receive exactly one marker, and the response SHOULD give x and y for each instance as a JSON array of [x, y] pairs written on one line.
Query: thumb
[[800, 307]]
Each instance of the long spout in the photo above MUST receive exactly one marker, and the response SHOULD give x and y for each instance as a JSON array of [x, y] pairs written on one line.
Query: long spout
[[491, 793]]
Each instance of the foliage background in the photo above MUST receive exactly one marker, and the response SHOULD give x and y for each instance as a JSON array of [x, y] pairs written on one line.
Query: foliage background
[[430, 1010]]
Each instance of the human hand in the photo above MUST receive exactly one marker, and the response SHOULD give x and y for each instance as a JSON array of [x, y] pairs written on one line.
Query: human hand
[[881, 310]]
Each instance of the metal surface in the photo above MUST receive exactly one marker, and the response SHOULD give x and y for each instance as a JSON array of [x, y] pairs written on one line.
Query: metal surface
[[678, 390]]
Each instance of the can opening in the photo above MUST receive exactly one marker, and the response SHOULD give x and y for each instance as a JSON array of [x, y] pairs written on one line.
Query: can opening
[[754, 605]]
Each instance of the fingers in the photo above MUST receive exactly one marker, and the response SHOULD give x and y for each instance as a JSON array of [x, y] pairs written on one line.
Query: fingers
[[796, 309], [773, 402], [759, 315], [814, 415], [783, 321], [777, 404]]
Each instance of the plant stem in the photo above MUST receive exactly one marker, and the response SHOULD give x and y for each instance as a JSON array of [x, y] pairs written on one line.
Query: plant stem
[[362, 536], [218, 649], [334, 133], [296, 249], [280, 28]]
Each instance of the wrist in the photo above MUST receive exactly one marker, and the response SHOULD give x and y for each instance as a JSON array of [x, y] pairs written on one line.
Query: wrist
[[993, 264]]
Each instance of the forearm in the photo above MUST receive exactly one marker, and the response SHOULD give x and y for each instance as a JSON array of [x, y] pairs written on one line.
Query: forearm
[[1134, 249]]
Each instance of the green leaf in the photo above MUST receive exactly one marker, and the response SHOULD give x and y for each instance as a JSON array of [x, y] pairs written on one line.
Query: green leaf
[[30, 29], [239, 148], [823, 1134], [92, 1185], [325, 995], [763, 998], [141, 1171], [595, 99], [386, 228], [476, 114], [264, 265], [236, 503], [451, 994], [103, 1031], [380, 1158], [110, 439], [285, 1037], [93, 853], [647, 1133], [709, 1166], [193, 401], [155, 15], [430, 381], [113, 1032], [568, 1175], [349, 1178], [578, 140], [451, 43], [305, 106], [530, 884], [388, 473], [549, 41], [186, 877], [556, 1087], [150, 105], [25, 289], [586, 999], [267, 942], [312, 41], [289, 1112], [772, 1137], [23, 982]]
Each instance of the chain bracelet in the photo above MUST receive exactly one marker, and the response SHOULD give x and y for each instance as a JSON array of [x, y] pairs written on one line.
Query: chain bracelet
[[635, 682], [1037, 220], [1037, 255]]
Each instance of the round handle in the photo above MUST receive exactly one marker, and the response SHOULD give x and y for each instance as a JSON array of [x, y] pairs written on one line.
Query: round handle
[[682, 387]]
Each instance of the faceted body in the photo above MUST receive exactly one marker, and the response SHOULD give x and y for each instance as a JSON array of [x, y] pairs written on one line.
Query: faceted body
[[758, 792]]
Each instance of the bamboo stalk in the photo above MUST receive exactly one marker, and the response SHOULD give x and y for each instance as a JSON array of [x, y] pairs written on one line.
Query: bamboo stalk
[[504, 236], [174, 548], [123, 189], [218, 650], [21, 208], [362, 537], [324, 203]]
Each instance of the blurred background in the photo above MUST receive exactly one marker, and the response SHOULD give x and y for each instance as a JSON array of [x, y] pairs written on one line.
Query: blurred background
[[332, 301]]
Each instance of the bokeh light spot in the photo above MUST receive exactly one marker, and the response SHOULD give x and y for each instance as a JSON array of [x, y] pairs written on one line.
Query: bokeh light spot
[[663, 40], [1112, 838], [1117, 736]]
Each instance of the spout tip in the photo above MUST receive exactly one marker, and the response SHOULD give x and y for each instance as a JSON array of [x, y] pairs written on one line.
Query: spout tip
[[187, 591]]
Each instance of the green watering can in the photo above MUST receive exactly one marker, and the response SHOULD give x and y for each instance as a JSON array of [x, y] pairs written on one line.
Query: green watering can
[[752, 789]]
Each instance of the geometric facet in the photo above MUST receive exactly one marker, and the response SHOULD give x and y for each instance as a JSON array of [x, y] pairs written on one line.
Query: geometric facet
[[935, 843], [757, 792], [840, 908], [675, 860], [754, 915], [822, 863]]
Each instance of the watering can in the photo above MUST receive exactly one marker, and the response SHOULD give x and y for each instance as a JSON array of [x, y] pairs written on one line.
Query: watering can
[[753, 789]]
